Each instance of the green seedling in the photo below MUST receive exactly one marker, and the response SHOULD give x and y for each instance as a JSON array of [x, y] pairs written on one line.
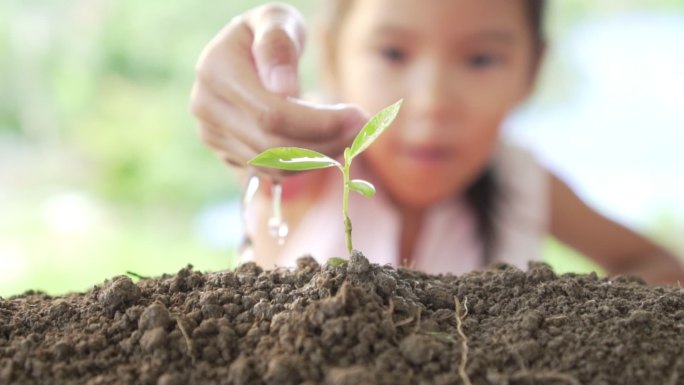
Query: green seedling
[[301, 159]]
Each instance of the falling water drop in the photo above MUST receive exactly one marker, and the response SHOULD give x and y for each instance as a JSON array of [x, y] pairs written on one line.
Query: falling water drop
[[276, 225], [246, 251]]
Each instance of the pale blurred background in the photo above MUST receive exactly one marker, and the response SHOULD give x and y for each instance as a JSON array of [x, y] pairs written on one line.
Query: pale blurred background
[[101, 171]]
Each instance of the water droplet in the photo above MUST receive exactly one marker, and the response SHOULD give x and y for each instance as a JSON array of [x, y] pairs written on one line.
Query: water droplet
[[276, 225], [246, 249], [278, 229]]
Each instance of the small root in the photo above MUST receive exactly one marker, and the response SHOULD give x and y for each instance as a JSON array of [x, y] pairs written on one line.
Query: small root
[[404, 322], [390, 308], [343, 292], [390, 314], [464, 340], [181, 322]]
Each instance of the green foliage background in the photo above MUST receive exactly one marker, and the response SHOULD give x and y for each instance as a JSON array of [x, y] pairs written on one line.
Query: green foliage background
[[93, 103]]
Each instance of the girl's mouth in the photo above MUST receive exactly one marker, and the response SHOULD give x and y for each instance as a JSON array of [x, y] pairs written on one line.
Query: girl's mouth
[[428, 156]]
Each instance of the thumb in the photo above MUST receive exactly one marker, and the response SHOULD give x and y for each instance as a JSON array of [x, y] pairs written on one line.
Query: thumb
[[278, 43]]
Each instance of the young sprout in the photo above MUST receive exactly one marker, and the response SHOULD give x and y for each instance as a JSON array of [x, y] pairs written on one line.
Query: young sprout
[[301, 159]]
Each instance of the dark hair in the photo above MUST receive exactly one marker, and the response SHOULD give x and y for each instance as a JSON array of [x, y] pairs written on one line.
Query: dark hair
[[485, 194], [536, 12], [482, 198]]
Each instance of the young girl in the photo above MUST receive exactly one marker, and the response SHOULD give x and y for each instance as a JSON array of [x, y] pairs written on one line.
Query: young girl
[[452, 196]]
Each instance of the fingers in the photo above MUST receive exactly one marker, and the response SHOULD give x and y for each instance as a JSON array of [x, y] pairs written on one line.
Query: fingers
[[227, 69], [226, 118], [233, 151], [245, 83], [325, 128], [230, 150], [232, 122], [279, 38]]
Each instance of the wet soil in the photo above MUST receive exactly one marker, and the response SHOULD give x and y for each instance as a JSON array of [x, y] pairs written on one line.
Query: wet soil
[[356, 323]]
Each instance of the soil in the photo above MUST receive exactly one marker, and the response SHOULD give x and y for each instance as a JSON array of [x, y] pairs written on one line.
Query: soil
[[355, 323]]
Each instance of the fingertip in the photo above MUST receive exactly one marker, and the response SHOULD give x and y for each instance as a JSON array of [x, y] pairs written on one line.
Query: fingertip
[[355, 119], [282, 79], [276, 47]]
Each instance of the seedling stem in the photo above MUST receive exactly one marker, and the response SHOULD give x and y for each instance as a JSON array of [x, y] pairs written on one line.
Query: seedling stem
[[345, 202], [301, 159]]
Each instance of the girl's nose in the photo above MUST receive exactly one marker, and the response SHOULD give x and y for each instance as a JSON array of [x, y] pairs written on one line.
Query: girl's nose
[[431, 95]]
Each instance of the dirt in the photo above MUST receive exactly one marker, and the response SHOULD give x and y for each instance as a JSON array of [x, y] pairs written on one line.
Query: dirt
[[356, 323]]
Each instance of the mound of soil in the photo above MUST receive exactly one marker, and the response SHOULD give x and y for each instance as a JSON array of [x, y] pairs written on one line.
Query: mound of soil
[[356, 323]]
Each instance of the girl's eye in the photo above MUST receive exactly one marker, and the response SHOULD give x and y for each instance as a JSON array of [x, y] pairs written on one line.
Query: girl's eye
[[483, 61], [393, 54]]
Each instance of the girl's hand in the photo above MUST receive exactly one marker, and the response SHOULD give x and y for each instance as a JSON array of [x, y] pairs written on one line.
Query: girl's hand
[[619, 250], [245, 89]]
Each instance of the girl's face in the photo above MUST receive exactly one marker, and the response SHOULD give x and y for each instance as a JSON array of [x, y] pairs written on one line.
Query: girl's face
[[460, 65]]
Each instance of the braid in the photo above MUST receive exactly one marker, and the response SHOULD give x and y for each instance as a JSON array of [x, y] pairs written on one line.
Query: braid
[[483, 197]]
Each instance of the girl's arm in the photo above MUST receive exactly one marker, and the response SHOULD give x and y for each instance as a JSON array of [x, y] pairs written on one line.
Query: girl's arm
[[616, 248]]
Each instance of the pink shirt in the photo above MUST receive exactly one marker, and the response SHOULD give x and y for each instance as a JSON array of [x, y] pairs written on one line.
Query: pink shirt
[[448, 242]]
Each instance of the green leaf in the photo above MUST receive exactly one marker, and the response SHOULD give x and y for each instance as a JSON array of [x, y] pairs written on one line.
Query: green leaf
[[334, 261], [362, 187], [293, 159], [375, 126]]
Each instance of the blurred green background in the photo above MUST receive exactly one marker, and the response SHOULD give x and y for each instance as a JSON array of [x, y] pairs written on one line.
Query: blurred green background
[[100, 168]]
